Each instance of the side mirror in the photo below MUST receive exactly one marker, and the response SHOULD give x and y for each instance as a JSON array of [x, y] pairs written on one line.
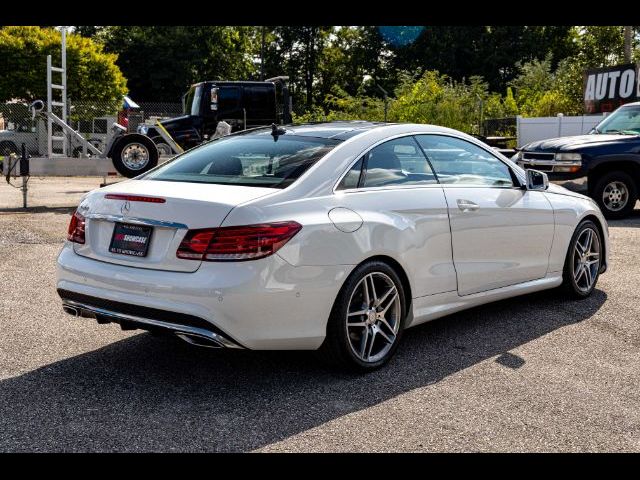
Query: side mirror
[[537, 180]]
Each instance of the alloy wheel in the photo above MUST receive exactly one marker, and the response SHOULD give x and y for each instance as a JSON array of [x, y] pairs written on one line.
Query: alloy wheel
[[586, 259], [373, 317]]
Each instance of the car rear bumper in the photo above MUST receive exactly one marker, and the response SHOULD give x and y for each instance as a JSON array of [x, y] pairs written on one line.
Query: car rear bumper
[[261, 304], [191, 329]]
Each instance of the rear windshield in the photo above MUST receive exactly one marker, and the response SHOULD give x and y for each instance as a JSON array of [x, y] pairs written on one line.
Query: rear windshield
[[250, 160]]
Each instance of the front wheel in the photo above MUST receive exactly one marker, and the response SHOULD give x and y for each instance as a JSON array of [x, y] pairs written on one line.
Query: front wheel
[[583, 262], [616, 194], [134, 154], [367, 319]]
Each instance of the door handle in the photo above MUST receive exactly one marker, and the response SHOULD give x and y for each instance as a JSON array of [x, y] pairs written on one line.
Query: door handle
[[467, 205]]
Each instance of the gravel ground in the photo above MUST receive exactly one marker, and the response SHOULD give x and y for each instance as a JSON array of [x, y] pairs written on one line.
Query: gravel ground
[[536, 373]]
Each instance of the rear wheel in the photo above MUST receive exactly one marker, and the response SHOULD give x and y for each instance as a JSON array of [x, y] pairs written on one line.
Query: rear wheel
[[367, 319], [616, 194], [134, 154], [584, 258], [162, 146]]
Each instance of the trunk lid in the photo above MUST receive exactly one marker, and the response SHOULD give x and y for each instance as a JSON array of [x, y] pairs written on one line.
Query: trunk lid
[[186, 206]]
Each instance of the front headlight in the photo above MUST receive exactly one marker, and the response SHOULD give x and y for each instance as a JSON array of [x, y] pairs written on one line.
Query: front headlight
[[568, 157], [143, 129]]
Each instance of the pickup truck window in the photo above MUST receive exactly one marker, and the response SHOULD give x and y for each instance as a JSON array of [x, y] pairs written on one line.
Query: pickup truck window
[[625, 120]]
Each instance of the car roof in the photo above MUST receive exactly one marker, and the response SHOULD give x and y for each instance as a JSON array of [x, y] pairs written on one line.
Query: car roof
[[336, 130], [345, 129]]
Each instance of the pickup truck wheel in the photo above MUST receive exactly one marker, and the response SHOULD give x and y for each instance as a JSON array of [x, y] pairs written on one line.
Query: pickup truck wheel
[[616, 194], [134, 154]]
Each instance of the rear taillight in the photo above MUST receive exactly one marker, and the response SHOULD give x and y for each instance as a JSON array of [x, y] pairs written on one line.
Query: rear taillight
[[76, 228], [229, 244]]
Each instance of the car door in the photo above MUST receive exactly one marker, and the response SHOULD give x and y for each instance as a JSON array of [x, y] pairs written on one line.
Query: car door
[[394, 190], [501, 234]]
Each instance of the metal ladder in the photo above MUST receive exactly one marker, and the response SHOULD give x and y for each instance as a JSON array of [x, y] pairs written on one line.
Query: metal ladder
[[61, 104]]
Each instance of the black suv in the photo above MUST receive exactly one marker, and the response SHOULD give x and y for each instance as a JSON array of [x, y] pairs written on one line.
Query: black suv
[[604, 164]]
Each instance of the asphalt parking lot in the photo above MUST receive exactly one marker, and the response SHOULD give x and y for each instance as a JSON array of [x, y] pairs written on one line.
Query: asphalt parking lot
[[535, 373]]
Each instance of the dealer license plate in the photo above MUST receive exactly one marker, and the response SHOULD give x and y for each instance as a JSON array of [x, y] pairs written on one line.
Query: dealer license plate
[[130, 239]]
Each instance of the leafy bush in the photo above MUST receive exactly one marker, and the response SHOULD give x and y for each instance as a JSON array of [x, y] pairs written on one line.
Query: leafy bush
[[432, 98]]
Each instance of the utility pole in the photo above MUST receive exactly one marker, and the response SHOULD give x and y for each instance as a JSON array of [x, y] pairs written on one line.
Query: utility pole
[[386, 100], [262, 56], [628, 36]]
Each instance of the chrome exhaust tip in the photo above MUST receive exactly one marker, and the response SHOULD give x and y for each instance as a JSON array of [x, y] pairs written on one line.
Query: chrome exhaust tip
[[199, 340], [71, 310]]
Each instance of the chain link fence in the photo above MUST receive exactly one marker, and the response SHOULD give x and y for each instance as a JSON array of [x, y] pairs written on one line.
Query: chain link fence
[[499, 127], [92, 120]]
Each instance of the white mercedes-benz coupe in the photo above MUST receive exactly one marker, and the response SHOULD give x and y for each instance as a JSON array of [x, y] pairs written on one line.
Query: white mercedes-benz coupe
[[333, 237]]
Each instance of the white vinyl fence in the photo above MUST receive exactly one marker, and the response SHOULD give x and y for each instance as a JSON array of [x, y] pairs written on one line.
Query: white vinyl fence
[[542, 128]]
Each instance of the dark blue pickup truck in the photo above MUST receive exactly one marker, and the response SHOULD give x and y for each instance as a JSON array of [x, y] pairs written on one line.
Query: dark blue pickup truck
[[605, 164]]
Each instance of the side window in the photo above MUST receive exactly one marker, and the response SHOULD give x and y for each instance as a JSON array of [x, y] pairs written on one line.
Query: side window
[[195, 106], [457, 161], [398, 162], [350, 180]]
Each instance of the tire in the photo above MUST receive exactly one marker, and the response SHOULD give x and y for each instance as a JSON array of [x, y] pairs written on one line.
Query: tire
[[342, 346], [162, 146], [134, 154], [616, 194], [7, 148], [574, 283]]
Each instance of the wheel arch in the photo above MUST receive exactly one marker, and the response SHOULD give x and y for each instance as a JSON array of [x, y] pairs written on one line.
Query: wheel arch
[[603, 234], [398, 268], [626, 165]]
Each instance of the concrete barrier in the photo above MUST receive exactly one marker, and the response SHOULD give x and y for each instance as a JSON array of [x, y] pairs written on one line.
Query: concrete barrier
[[69, 166]]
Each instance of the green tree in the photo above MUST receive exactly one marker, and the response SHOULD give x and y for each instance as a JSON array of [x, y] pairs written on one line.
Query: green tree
[[161, 63], [352, 53], [436, 99], [296, 51], [92, 74], [543, 88], [89, 31], [597, 46], [489, 51]]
